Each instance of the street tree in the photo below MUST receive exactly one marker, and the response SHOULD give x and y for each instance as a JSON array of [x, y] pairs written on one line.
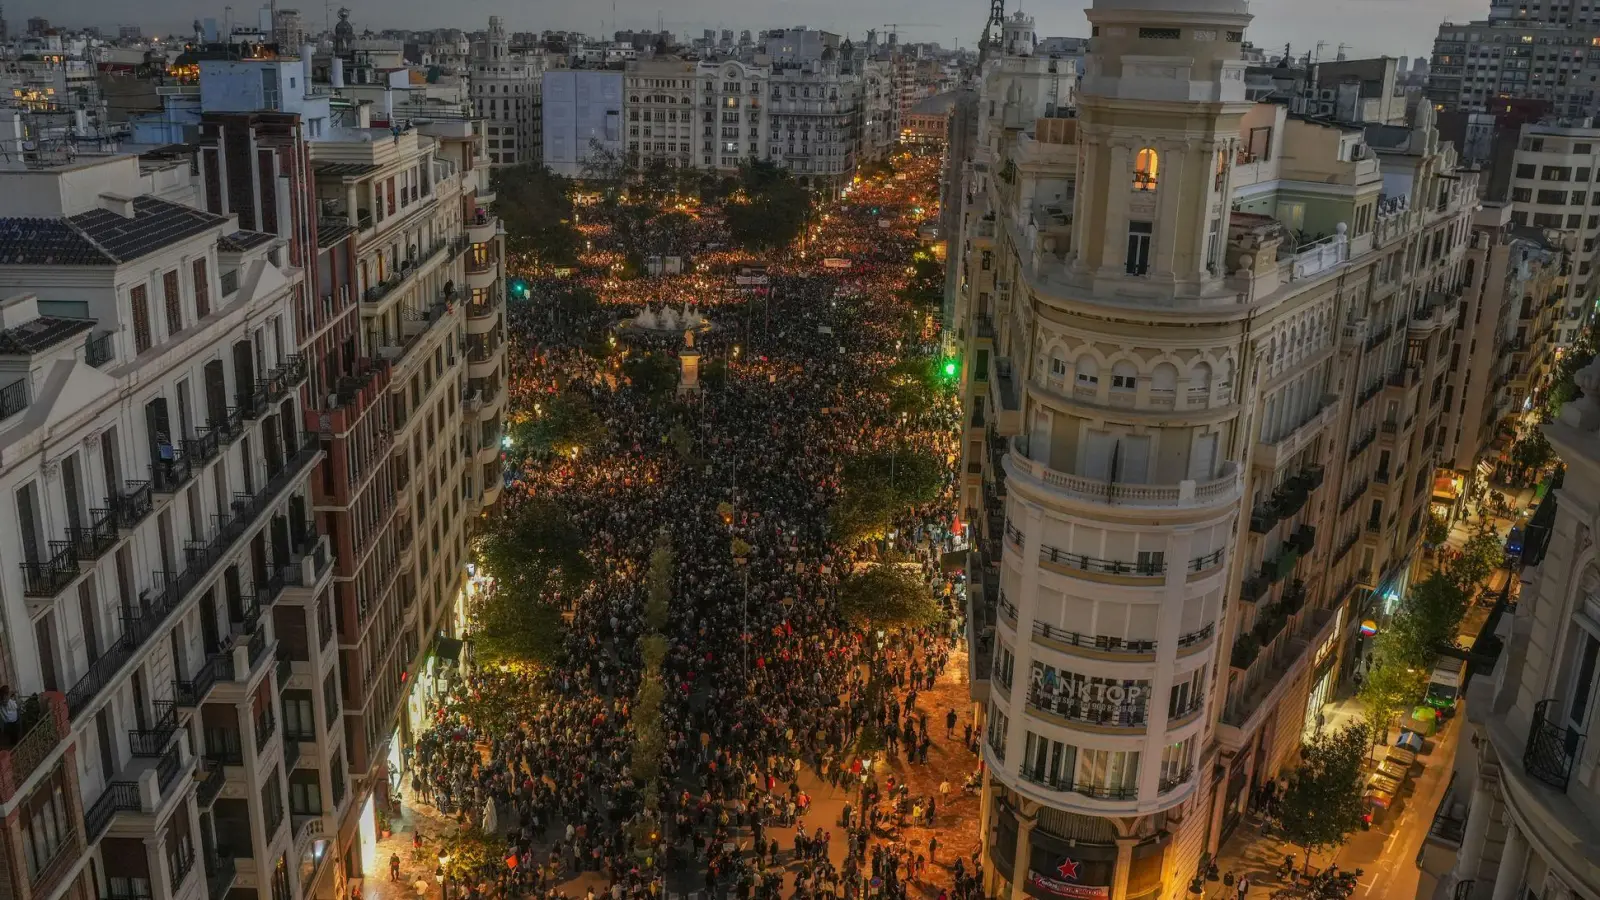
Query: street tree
[[535, 550], [536, 209], [1323, 804], [769, 210], [1438, 531], [876, 487], [465, 854], [1427, 622], [563, 425], [890, 595], [1390, 685], [514, 629], [1532, 454], [652, 374], [1482, 554]]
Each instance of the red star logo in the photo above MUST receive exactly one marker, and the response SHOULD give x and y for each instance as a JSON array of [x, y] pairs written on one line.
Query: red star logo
[[1068, 869]]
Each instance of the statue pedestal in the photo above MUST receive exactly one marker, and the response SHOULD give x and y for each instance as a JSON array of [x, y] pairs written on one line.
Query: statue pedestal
[[688, 370]]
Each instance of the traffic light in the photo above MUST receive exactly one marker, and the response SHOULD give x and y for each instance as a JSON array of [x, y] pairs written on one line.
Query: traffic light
[[519, 288], [951, 367]]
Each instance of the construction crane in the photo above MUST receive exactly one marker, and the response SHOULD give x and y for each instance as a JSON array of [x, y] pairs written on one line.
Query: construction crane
[[896, 26], [995, 24]]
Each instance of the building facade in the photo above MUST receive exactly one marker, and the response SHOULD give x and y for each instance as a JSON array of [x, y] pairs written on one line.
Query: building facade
[[583, 113], [1204, 366], [1475, 63], [814, 114], [165, 513], [506, 94], [1532, 785], [1506, 264], [258, 380]]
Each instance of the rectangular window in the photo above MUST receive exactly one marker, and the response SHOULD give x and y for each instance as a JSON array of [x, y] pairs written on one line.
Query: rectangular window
[[1126, 382], [141, 318], [173, 299], [202, 289], [1138, 256]]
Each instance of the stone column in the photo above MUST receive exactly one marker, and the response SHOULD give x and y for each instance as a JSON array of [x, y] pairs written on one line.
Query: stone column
[[1513, 863], [1119, 880], [1472, 841], [1024, 857], [1026, 602]]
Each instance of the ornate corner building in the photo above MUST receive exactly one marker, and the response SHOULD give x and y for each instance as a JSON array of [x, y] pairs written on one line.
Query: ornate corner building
[[1204, 346]]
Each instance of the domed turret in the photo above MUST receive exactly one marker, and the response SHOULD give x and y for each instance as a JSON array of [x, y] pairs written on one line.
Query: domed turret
[[344, 34]]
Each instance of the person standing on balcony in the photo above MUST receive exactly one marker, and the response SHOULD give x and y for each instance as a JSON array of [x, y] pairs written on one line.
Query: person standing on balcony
[[10, 716]]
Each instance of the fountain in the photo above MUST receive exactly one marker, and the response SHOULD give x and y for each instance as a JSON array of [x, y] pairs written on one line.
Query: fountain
[[666, 321]]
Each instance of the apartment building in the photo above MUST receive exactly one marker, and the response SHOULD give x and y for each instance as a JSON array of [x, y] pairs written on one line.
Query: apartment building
[[413, 427], [291, 448], [1553, 186], [1506, 265], [733, 103], [661, 113], [506, 94], [814, 121], [1204, 369], [1531, 785], [1476, 63], [583, 112], [159, 474]]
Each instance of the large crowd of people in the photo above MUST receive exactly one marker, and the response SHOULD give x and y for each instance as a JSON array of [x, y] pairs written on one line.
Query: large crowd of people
[[771, 696]]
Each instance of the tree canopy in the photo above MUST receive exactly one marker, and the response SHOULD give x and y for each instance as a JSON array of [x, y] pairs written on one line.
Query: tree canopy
[[652, 374], [563, 424], [514, 629], [913, 385], [1323, 803], [876, 487], [534, 549], [890, 595], [535, 206], [770, 210]]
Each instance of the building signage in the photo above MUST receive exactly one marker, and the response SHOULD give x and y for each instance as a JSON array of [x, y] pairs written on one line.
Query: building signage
[[1066, 885]]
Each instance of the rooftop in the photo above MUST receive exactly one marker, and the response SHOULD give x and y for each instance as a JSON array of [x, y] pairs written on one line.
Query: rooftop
[[240, 241], [40, 334], [345, 170], [100, 236]]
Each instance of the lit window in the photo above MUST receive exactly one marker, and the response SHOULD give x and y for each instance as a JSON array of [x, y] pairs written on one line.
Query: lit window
[[1146, 170]]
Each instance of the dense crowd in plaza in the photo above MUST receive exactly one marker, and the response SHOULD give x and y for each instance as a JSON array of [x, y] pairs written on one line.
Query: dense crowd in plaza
[[769, 690]]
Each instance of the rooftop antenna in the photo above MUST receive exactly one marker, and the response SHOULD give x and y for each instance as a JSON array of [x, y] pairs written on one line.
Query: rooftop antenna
[[1320, 45]]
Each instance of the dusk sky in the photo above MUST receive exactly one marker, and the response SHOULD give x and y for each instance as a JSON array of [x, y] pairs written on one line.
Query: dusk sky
[[1369, 27]]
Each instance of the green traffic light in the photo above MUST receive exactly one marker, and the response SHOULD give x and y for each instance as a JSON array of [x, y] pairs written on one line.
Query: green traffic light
[[950, 369]]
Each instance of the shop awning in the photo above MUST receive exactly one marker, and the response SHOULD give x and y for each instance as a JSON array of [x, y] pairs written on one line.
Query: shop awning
[[448, 650]]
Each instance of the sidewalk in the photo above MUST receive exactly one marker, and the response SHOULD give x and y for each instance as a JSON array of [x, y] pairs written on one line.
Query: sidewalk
[[1387, 853]]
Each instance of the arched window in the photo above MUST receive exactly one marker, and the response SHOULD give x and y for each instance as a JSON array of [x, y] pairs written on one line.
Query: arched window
[[1088, 371], [1058, 366], [1146, 170], [1124, 375], [1200, 379], [1164, 380]]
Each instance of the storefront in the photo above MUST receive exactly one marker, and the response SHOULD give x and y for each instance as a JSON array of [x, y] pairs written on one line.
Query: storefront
[[1448, 488], [367, 833], [1075, 868], [1324, 678]]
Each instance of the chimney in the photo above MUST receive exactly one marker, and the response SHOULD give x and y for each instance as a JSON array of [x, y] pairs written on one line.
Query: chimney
[[307, 51], [338, 72]]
